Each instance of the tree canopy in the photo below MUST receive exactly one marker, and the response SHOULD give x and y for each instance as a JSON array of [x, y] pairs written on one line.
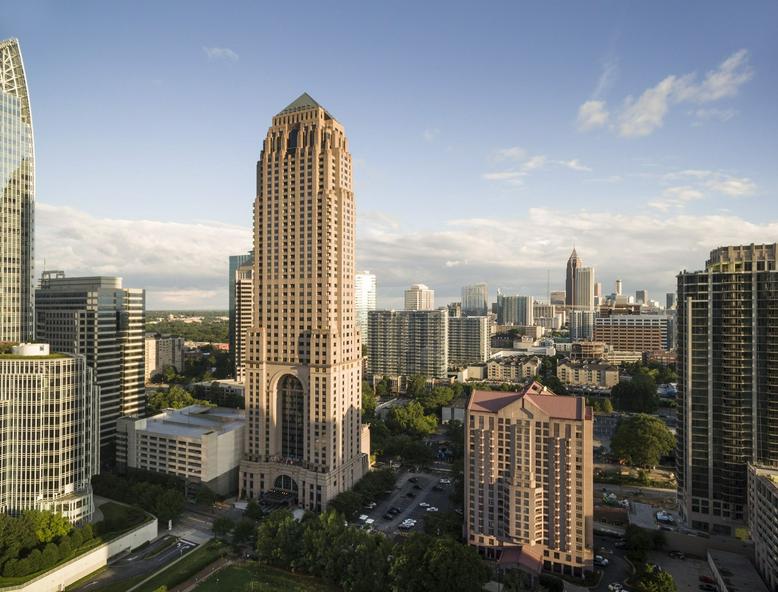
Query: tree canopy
[[411, 419], [641, 440], [637, 394], [176, 397], [651, 579]]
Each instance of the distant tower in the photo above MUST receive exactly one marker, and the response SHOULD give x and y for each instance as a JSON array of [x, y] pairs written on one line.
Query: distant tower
[[419, 297], [618, 287], [583, 297], [364, 300], [17, 198], [573, 263], [475, 298]]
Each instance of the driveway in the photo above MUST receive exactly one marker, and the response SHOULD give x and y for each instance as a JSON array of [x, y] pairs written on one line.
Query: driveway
[[618, 570]]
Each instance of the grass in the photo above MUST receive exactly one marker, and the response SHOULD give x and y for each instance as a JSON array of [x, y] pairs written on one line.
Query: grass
[[255, 578], [187, 567]]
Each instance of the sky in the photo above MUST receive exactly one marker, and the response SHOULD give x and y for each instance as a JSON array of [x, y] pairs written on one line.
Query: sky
[[488, 139]]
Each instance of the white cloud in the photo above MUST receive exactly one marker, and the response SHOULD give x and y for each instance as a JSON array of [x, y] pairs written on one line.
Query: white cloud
[[516, 153], [713, 114], [575, 165], [610, 71], [430, 134], [525, 164], [220, 53], [717, 181], [592, 114], [642, 116], [181, 265], [676, 197]]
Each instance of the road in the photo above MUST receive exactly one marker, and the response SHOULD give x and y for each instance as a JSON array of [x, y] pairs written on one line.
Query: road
[[618, 569]]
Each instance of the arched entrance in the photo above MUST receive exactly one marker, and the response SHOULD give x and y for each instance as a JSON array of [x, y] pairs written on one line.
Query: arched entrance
[[292, 405], [285, 483]]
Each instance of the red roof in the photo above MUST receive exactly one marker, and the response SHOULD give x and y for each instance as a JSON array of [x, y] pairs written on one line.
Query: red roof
[[558, 406]]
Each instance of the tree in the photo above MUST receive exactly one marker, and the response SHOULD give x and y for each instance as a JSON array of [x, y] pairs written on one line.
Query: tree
[[369, 403], [637, 394], [650, 579], [50, 555], [243, 531], [411, 419], [175, 397], [553, 383], [348, 503], [417, 384], [383, 388], [253, 511], [47, 526], [279, 540], [433, 399], [641, 440], [606, 406], [222, 526]]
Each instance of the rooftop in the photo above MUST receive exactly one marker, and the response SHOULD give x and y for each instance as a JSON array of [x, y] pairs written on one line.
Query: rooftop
[[193, 421], [557, 406], [302, 103], [736, 572]]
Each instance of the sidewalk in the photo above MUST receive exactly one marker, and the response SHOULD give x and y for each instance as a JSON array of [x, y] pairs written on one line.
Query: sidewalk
[[203, 574]]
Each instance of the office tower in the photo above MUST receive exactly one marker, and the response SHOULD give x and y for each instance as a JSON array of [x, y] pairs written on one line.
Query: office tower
[[235, 261], [641, 296], [557, 297], [637, 333], [17, 200], [162, 352], [468, 340], [364, 300], [306, 442], [242, 317], [618, 287], [582, 324], [670, 301], [598, 289], [528, 479], [583, 297], [727, 320], [419, 297], [49, 427], [408, 342], [763, 520], [99, 319], [573, 263], [475, 298], [515, 310], [454, 309]]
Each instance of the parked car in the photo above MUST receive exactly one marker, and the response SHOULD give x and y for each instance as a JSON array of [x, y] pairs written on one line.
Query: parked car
[[600, 561], [424, 505], [708, 588], [417, 486], [394, 510], [413, 480], [615, 587], [677, 555], [410, 494], [388, 516], [707, 580]]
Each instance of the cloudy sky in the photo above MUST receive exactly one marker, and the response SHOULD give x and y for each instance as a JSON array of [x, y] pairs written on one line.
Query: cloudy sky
[[488, 139]]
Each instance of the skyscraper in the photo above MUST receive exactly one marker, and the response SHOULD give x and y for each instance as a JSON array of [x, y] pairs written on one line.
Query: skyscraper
[[364, 300], [419, 297], [475, 298], [515, 310], [727, 332], [17, 200], [49, 426], [618, 287], [99, 319], [242, 317], [468, 340], [305, 442], [235, 261], [573, 263], [670, 301], [583, 297], [641, 296]]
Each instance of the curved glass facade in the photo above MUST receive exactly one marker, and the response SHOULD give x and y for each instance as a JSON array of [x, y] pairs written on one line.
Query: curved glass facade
[[17, 198]]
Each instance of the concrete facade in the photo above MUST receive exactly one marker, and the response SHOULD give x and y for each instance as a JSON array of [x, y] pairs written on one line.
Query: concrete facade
[[513, 368], [162, 352], [587, 374], [243, 316], [419, 297], [763, 521], [469, 340]]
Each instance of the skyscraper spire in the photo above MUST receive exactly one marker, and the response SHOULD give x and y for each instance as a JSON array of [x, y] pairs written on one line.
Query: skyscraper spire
[[573, 263]]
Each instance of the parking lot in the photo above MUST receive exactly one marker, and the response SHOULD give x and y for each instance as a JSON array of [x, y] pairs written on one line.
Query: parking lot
[[413, 494], [685, 572]]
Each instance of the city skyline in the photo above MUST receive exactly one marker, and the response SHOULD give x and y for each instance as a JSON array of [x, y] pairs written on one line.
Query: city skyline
[[610, 131]]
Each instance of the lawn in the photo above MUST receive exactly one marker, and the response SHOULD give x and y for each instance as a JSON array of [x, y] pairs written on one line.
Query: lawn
[[255, 578], [187, 567]]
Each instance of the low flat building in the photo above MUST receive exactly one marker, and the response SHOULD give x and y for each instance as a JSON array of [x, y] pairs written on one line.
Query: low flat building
[[513, 369], [763, 520], [588, 374], [200, 444], [734, 573]]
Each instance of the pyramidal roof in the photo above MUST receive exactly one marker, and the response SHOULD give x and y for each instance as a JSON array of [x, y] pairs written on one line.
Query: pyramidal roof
[[304, 101]]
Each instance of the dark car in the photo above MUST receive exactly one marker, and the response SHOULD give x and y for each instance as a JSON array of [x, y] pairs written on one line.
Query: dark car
[[410, 494], [388, 516], [677, 555], [708, 588], [394, 510], [413, 480], [437, 488], [707, 580], [417, 486]]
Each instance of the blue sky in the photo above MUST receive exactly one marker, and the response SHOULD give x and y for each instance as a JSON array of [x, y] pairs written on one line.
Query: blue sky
[[487, 138]]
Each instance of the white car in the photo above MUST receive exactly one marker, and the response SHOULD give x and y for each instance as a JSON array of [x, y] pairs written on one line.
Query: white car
[[363, 517], [615, 587], [445, 481], [424, 505], [432, 509]]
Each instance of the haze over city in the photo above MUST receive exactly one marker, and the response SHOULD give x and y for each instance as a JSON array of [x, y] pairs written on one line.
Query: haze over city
[[486, 143]]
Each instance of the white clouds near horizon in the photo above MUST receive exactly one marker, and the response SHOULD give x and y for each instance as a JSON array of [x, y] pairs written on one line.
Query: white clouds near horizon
[[220, 54]]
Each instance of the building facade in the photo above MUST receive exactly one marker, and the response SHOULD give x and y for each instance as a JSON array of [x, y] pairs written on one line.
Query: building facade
[[641, 296], [632, 332], [17, 198], [529, 478], [105, 322], [573, 263], [419, 297], [588, 374], [364, 300], [582, 324], [513, 368], [162, 352], [468, 340], [763, 521], [235, 261], [583, 297], [49, 428], [303, 360], [200, 444], [408, 342], [243, 316], [475, 300], [727, 382], [515, 310]]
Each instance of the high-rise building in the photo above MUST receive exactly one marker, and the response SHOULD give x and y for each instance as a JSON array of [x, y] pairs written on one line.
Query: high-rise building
[[49, 429], [618, 288], [583, 297], [573, 263], [99, 319], [529, 479], [468, 340], [235, 261], [408, 342], [515, 310], [557, 297], [454, 309], [419, 297], [162, 352], [582, 324], [633, 332], [727, 320], [670, 301], [641, 296], [242, 317], [364, 300], [17, 198], [763, 521], [306, 442], [475, 299]]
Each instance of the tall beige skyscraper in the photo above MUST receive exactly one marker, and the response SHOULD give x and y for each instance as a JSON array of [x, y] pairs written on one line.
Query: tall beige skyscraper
[[583, 297], [17, 198], [305, 438], [419, 297], [243, 315]]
